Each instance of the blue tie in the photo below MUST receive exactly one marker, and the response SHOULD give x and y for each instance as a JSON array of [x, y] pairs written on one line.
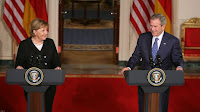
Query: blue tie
[[155, 49]]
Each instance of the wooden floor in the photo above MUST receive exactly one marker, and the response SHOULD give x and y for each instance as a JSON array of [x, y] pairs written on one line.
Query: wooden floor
[[87, 57]]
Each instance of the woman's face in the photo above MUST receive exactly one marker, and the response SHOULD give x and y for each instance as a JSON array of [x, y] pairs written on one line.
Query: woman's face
[[41, 33]]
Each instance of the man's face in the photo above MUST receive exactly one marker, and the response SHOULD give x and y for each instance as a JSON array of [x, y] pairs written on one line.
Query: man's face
[[156, 28]]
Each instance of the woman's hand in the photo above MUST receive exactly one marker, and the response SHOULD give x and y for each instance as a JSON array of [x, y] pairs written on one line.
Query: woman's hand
[[57, 68]]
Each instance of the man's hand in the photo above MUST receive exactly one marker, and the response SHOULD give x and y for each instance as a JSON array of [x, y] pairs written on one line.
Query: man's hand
[[19, 67], [124, 69], [57, 68], [179, 68]]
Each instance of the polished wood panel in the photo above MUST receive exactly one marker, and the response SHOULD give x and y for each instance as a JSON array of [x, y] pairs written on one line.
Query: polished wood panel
[[116, 31], [153, 104], [35, 102], [61, 23]]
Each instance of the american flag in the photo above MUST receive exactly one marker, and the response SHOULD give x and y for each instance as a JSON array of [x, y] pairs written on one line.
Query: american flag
[[13, 16], [141, 11]]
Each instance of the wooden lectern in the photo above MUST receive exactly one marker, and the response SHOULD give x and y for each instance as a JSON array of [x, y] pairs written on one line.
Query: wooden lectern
[[139, 78], [35, 101]]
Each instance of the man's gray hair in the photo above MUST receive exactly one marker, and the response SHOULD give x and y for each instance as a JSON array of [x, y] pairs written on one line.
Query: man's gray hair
[[160, 17]]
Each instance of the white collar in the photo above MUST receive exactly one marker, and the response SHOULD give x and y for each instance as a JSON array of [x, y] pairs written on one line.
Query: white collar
[[160, 36]]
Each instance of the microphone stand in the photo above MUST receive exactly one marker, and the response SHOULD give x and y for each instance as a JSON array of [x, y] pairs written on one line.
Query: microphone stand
[[159, 61], [151, 61]]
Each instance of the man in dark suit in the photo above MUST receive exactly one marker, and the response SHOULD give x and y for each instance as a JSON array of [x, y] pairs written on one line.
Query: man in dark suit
[[157, 42]]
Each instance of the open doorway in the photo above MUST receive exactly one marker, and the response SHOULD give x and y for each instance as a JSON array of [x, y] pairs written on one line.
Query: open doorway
[[88, 34]]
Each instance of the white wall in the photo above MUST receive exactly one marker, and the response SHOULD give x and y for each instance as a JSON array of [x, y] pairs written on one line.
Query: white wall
[[182, 11], [133, 36], [124, 47], [53, 15], [6, 48]]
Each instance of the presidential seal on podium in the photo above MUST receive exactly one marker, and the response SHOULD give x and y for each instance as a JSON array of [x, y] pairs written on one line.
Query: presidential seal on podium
[[156, 77], [34, 76]]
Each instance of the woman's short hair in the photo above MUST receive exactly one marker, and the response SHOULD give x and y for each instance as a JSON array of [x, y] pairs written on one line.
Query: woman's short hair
[[37, 24]]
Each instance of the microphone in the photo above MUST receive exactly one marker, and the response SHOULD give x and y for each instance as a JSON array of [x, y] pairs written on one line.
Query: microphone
[[159, 61], [151, 61]]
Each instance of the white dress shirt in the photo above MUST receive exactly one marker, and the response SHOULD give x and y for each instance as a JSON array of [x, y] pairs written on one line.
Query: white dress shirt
[[39, 47], [159, 39]]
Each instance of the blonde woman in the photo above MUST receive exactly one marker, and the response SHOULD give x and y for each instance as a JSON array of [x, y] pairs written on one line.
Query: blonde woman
[[39, 51]]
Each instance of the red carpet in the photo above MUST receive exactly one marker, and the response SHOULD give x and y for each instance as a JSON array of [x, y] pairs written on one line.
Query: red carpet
[[85, 94], [185, 98]]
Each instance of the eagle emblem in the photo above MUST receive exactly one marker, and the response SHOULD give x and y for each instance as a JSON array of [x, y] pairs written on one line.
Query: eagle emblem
[[34, 76], [156, 77]]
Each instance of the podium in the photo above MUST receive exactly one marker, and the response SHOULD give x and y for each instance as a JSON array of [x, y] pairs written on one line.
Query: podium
[[35, 100], [139, 78]]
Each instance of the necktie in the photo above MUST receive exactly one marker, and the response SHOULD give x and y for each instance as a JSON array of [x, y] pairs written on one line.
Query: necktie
[[155, 49]]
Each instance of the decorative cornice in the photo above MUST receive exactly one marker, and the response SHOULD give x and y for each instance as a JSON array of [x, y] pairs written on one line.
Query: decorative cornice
[[192, 21]]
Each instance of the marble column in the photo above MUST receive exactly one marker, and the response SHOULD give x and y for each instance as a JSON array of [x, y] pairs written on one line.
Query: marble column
[[53, 20]]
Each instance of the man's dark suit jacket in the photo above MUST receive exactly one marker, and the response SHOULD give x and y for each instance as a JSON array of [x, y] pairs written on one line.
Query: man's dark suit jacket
[[169, 51]]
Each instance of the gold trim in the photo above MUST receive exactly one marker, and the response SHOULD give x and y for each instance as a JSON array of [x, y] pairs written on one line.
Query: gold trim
[[193, 21], [108, 76], [94, 76], [191, 77], [2, 74], [191, 58], [192, 47], [83, 76], [87, 47], [103, 24]]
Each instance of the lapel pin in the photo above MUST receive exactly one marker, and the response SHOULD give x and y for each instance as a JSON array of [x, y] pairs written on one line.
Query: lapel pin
[[164, 43]]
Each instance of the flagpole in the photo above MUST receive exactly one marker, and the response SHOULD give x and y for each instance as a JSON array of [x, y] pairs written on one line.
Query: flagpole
[[14, 50]]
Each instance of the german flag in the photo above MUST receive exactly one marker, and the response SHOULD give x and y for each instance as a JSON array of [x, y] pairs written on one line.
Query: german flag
[[34, 9], [142, 10], [164, 7]]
